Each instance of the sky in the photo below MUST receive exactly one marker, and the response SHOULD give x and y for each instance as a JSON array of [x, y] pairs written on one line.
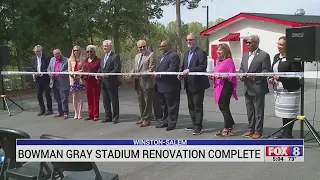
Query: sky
[[227, 8]]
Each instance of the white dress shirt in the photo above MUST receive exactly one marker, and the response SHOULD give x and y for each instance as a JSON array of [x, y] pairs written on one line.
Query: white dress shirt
[[251, 56], [278, 84], [106, 57], [39, 63]]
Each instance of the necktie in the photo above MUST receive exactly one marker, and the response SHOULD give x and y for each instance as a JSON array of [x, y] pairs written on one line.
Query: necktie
[[105, 60], [189, 58], [139, 62], [162, 58]]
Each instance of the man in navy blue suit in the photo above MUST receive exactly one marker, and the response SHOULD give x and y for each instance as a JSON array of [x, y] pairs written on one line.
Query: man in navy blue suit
[[195, 60], [168, 86]]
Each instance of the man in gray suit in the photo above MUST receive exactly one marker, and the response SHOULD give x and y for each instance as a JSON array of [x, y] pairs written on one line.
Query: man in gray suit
[[256, 87], [60, 82]]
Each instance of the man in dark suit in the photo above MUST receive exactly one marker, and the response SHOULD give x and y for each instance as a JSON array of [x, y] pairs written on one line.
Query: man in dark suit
[[110, 63], [40, 63], [256, 87], [168, 86], [195, 60]]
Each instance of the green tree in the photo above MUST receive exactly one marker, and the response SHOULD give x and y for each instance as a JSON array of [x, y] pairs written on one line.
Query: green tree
[[178, 3]]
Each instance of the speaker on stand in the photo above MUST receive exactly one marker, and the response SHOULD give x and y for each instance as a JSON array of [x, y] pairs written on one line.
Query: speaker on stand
[[303, 45], [5, 59]]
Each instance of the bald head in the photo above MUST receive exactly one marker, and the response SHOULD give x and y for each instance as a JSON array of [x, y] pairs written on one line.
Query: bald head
[[142, 46], [164, 46]]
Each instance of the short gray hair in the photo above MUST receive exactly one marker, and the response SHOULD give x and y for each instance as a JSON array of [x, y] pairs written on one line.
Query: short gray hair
[[91, 47], [142, 41], [193, 35], [255, 37], [108, 42], [37, 47]]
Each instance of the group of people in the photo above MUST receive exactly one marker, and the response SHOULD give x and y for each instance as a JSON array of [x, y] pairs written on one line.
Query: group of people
[[286, 90], [157, 89], [62, 84]]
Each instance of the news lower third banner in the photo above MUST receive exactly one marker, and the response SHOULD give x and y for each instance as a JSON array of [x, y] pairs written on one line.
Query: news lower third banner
[[165, 150]]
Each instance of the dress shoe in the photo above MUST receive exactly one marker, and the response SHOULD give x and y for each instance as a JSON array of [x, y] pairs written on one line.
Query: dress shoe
[[41, 113], [58, 115], [161, 125], [248, 134], [190, 128], [256, 136], [88, 118], [170, 128], [48, 113], [197, 131], [145, 124], [106, 120], [140, 121]]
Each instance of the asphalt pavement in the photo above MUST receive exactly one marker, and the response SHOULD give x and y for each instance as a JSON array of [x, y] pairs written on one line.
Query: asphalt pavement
[[29, 122]]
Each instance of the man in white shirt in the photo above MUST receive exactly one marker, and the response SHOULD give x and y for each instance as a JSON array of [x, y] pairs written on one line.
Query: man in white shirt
[[256, 87], [40, 63]]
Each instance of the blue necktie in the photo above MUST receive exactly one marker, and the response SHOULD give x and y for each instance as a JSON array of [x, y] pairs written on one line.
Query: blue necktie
[[189, 58]]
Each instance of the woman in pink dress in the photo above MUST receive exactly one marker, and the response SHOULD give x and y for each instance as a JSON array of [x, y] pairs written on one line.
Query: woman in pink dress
[[225, 87]]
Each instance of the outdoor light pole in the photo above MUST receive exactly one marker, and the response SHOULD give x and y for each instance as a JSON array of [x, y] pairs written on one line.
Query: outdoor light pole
[[207, 7]]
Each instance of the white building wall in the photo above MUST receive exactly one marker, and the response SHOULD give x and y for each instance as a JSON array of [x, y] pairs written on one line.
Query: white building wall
[[268, 32]]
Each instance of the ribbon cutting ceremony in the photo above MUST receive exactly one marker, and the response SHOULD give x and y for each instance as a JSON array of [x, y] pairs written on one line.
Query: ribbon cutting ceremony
[[111, 90]]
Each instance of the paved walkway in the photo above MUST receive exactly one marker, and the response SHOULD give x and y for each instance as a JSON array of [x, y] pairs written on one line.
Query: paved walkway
[[126, 129]]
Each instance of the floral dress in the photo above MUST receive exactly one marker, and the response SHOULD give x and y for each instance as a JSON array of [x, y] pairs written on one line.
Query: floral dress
[[77, 86]]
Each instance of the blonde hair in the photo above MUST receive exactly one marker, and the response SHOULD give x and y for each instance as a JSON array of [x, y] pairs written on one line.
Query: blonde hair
[[81, 56]]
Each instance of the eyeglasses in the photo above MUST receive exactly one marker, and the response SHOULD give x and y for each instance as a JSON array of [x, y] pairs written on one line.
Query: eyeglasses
[[162, 46], [250, 42], [189, 39]]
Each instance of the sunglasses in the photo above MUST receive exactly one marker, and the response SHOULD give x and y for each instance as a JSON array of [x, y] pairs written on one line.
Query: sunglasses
[[89, 51], [75, 50], [189, 39], [141, 47], [250, 42]]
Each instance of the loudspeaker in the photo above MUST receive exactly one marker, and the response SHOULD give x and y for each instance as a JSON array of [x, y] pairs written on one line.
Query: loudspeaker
[[303, 44], [4, 54]]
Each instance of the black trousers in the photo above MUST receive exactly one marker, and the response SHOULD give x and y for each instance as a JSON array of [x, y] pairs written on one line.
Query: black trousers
[[110, 97], [195, 106], [42, 86], [224, 104], [157, 109], [170, 103]]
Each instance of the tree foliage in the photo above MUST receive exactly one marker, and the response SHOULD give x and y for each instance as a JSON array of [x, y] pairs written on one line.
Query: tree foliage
[[65, 23]]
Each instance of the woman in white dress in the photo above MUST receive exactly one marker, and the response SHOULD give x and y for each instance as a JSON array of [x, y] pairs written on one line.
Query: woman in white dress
[[286, 90]]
